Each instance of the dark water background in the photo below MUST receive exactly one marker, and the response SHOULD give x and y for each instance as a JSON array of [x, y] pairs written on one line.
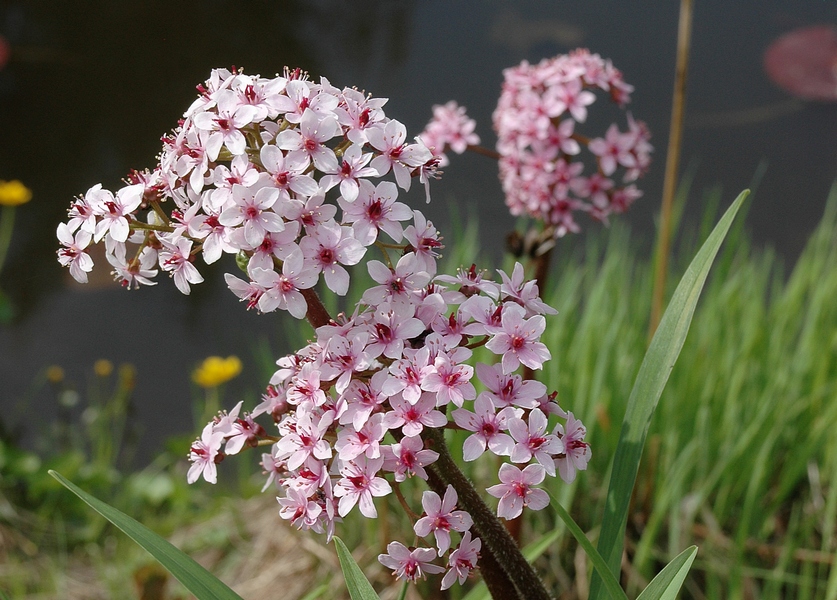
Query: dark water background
[[91, 86]]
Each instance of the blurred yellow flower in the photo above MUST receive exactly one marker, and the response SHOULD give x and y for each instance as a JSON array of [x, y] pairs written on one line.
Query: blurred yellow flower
[[216, 370], [103, 367], [13, 193], [55, 374]]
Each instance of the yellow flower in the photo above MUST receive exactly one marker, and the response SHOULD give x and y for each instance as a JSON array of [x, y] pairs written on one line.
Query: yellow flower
[[216, 370], [13, 193], [55, 374]]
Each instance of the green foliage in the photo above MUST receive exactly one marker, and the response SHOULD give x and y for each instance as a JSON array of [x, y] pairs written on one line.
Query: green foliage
[[653, 375], [194, 577], [356, 582], [739, 457], [667, 583], [608, 579]]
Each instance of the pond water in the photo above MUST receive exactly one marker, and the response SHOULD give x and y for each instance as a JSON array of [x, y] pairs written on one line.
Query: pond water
[[87, 94]]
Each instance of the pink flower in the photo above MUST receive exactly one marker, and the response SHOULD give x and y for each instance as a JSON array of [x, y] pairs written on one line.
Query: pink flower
[[407, 375], [288, 172], [396, 285], [353, 167], [305, 441], [524, 292], [395, 153], [350, 443], [298, 509], [425, 241], [393, 325], [516, 490], [570, 97], [450, 128], [509, 390], [413, 418], [225, 125], [441, 518], [360, 399], [373, 209], [115, 210], [408, 458], [462, 561], [517, 342], [204, 453], [251, 206], [540, 153], [614, 149], [359, 485], [304, 388], [243, 431], [345, 356], [72, 254], [409, 565], [282, 291], [471, 282], [329, 247], [251, 292], [450, 381], [314, 131], [576, 451], [487, 427], [174, 258], [532, 440], [135, 272]]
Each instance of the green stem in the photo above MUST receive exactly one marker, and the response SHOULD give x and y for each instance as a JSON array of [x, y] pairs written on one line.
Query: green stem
[[7, 224], [155, 205], [149, 227]]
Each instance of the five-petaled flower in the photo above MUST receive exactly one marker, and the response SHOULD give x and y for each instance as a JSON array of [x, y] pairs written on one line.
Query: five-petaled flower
[[516, 490]]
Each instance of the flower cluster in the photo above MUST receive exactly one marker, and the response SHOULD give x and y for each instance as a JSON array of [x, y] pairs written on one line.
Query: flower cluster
[[535, 120], [449, 129], [247, 171], [354, 413], [352, 408]]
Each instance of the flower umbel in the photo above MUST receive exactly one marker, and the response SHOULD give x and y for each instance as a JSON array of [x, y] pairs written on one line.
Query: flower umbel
[[284, 173]]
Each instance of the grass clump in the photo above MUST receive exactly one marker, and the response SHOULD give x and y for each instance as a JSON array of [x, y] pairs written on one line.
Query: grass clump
[[742, 455]]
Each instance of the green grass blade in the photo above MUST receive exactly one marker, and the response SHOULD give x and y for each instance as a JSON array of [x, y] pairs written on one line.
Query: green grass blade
[[356, 582], [668, 581], [609, 579], [651, 379], [194, 577], [317, 593]]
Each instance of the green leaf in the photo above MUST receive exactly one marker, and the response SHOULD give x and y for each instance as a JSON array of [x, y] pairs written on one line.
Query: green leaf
[[357, 583], [610, 582], [668, 581], [194, 577], [651, 379]]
